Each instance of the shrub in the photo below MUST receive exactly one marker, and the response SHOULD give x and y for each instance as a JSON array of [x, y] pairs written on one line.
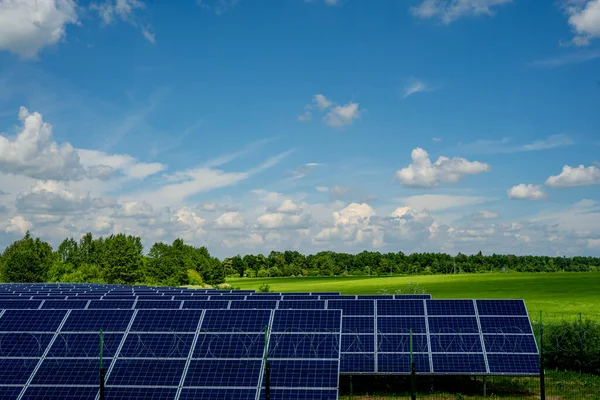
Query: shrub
[[250, 273], [572, 346], [263, 273], [412, 288], [194, 278], [264, 288]]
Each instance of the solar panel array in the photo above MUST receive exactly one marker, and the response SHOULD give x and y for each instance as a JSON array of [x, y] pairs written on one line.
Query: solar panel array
[[183, 343]]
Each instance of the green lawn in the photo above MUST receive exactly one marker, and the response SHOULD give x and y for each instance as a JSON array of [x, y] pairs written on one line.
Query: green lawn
[[550, 292]]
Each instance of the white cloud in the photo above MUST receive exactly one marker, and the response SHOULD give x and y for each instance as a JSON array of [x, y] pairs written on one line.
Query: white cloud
[[28, 26], [304, 170], [551, 142], [422, 173], [230, 220], [436, 139], [506, 145], [351, 224], [49, 197], [250, 241], [125, 10], [136, 209], [449, 11], [526, 192], [415, 86], [129, 166], [338, 116], [341, 116], [484, 215], [575, 176], [219, 7], [33, 153], [287, 215], [437, 202], [322, 189], [584, 18], [17, 224], [566, 59]]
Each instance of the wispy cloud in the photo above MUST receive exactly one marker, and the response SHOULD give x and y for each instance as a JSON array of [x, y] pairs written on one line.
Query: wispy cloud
[[415, 86], [219, 7], [449, 11], [338, 116], [506, 145], [566, 59]]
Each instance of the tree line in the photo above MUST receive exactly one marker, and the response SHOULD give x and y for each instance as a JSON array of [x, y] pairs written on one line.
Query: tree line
[[120, 259]]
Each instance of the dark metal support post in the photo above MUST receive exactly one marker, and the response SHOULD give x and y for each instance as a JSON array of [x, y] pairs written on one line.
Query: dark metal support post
[[101, 366], [542, 377], [267, 366], [413, 374], [351, 388], [484, 386]]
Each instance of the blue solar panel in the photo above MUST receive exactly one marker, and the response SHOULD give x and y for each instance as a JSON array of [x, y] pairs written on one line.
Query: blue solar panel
[[401, 343], [234, 345], [375, 297], [156, 304], [412, 296], [510, 344], [334, 297], [357, 363], [189, 297], [304, 346], [353, 307], [263, 298], [12, 392], [235, 320], [140, 393], [297, 297], [218, 393], [205, 304], [111, 304], [505, 325], [459, 363], [259, 305], [20, 304], [16, 371], [59, 392], [401, 325], [400, 307], [453, 325], [450, 307], [456, 344], [96, 320], [301, 304], [153, 345], [230, 297], [302, 394], [64, 304], [146, 372], [501, 307], [23, 344], [84, 345], [307, 321], [31, 320], [358, 325], [520, 364], [358, 344], [223, 373], [166, 321], [67, 371], [304, 373], [400, 363]]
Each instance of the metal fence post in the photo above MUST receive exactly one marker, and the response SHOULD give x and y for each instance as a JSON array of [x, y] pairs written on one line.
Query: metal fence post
[[101, 366], [542, 378], [267, 367], [413, 374]]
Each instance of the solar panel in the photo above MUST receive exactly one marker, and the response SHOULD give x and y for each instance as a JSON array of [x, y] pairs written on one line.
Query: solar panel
[[503, 325], [456, 344], [353, 307], [236, 321], [412, 296], [68, 371], [400, 307], [511, 364], [453, 325], [140, 393], [304, 346], [153, 345], [459, 363], [155, 304], [166, 321], [357, 363], [205, 304], [401, 325], [259, 305], [20, 304], [31, 320], [302, 394], [218, 393], [358, 325], [358, 344], [501, 307], [450, 307], [111, 304], [16, 371], [64, 304], [510, 344], [215, 373], [84, 345], [301, 304], [234, 345], [400, 363], [96, 320], [306, 321], [401, 343], [23, 344], [304, 373], [145, 372], [59, 392]]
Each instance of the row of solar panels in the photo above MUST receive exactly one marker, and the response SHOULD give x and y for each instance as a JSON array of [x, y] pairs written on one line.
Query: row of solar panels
[[180, 297], [216, 354]]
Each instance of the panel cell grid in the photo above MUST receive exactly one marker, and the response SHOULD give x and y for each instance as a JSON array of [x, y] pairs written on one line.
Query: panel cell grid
[[31, 320], [458, 325], [503, 325], [450, 307], [304, 346], [64, 304], [358, 325], [111, 304], [510, 344], [20, 304], [66, 371], [514, 364], [400, 307], [353, 307], [401, 325], [218, 393], [301, 305], [233, 345], [459, 363], [205, 304], [401, 343], [16, 371], [306, 321], [357, 363], [358, 344], [400, 363], [304, 373], [140, 393], [84, 345], [456, 344], [155, 345], [157, 304], [96, 320], [501, 307], [223, 373], [250, 321], [256, 305], [60, 392], [23, 344], [148, 372], [166, 321]]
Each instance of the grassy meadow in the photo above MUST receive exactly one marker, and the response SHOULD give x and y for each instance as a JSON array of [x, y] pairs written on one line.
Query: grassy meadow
[[558, 292]]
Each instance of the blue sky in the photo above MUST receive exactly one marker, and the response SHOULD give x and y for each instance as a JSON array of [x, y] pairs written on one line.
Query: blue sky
[[249, 126]]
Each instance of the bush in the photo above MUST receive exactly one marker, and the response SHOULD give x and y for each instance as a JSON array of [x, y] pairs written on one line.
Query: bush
[[264, 288], [194, 278], [412, 288], [263, 273], [250, 273], [572, 346], [275, 272]]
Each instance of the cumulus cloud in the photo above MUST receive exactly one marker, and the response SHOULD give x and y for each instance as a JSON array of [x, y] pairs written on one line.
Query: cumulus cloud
[[575, 176], [287, 215], [526, 192], [17, 224], [337, 116], [422, 173], [48, 197], [584, 19], [436, 202], [230, 220], [449, 11], [28, 26], [350, 224], [101, 165], [33, 153], [135, 209]]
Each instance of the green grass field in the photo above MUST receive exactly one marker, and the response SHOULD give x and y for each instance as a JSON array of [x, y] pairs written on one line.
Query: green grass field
[[549, 292]]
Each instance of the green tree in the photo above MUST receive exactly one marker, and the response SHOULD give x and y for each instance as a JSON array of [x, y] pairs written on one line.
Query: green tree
[[26, 260]]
